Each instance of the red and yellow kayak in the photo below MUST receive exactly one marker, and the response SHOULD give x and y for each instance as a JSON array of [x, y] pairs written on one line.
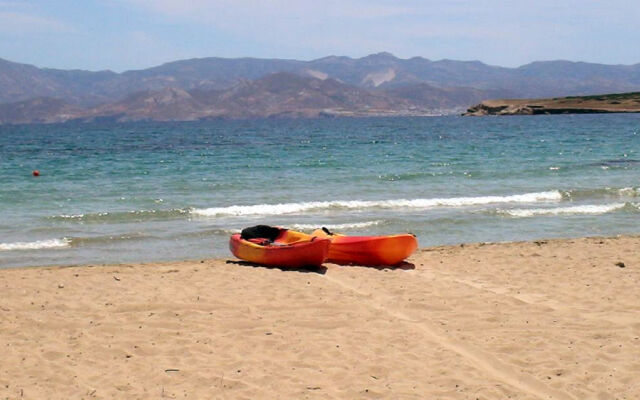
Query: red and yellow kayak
[[279, 247], [368, 250]]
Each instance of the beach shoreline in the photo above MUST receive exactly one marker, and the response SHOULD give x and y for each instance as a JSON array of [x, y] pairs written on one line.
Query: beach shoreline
[[554, 318]]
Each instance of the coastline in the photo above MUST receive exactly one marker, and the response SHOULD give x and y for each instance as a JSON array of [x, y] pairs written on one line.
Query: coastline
[[550, 318]]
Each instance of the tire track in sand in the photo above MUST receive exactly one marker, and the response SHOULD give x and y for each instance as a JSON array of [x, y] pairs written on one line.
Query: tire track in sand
[[622, 319], [478, 357]]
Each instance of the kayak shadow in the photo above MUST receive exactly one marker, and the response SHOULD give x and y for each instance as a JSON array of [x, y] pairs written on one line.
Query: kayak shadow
[[403, 265], [303, 270]]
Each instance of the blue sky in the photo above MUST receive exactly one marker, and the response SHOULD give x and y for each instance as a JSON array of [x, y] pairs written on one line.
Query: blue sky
[[134, 34]]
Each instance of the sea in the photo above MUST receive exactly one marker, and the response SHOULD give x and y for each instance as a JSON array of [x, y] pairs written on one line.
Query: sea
[[141, 192]]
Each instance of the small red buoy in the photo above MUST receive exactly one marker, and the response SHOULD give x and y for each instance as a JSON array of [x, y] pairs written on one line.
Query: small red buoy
[[35, 172]]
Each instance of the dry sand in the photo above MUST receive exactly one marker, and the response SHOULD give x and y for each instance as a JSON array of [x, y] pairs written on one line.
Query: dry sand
[[556, 319]]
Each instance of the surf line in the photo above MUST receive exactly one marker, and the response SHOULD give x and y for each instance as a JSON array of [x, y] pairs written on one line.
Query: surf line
[[426, 203]]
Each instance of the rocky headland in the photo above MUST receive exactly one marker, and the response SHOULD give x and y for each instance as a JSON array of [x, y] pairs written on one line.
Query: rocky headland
[[606, 103]]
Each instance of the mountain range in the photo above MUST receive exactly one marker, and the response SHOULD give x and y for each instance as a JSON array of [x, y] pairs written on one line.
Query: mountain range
[[378, 84]]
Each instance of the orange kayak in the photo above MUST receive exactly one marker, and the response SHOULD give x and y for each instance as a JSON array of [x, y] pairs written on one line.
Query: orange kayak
[[368, 250], [279, 247]]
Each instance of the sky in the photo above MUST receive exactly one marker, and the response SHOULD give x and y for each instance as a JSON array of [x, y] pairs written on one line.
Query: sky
[[134, 34]]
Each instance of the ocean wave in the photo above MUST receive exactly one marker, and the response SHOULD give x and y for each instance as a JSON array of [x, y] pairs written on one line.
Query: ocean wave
[[207, 233], [617, 162], [122, 216], [347, 226], [600, 193], [573, 210], [36, 245], [294, 208], [407, 176], [88, 240]]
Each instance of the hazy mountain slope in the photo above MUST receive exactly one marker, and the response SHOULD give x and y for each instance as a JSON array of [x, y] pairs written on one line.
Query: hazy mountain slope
[[276, 95], [209, 73], [285, 93], [563, 78], [23, 81], [38, 110], [168, 104], [432, 97]]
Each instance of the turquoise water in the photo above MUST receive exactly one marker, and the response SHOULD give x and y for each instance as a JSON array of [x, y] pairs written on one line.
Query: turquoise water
[[166, 191]]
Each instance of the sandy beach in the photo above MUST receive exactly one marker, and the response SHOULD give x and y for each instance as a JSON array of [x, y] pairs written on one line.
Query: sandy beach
[[553, 319]]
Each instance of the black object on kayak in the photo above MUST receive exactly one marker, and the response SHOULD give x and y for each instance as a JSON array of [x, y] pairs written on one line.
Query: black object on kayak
[[327, 231], [261, 232]]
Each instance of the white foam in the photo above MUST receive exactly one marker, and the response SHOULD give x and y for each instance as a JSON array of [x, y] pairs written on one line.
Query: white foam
[[39, 244], [70, 216], [575, 210], [354, 225], [629, 192], [293, 208]]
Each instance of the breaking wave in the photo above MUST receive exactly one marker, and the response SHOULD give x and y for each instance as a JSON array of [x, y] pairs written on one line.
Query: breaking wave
[[600, 193], [574, 210], [293, 208], [37, 245], [353, 225]]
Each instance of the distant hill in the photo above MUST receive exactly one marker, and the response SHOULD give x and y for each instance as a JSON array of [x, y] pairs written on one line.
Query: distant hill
[[604, 103], [376, 80]]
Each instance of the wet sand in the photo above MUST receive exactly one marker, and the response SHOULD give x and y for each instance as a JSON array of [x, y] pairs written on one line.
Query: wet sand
[[555, 319]]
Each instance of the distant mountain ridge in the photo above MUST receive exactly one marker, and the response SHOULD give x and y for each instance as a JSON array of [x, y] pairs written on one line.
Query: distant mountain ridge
[[403, 85], [542, 78]]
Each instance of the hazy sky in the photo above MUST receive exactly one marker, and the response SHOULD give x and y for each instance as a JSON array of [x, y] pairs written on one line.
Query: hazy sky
[[133, 34]]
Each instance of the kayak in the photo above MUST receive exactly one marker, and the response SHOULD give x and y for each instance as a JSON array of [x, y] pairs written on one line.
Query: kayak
[[368, 250], [279, 247]]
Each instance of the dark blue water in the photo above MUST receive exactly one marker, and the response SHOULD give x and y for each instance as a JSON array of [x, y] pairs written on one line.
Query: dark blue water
[[163, 191]]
